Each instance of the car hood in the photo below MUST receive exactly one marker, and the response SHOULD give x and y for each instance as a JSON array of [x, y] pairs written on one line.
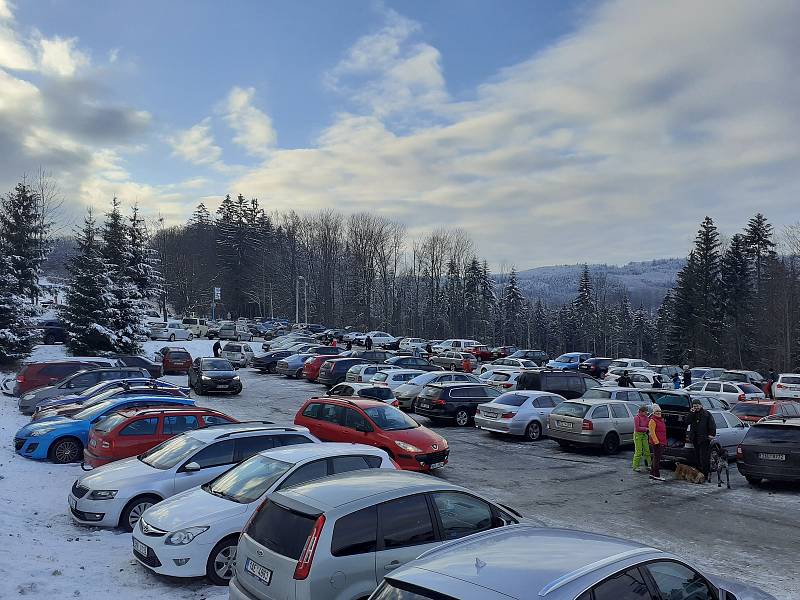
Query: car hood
[[421, 437], [225, 373], [190, 508], [742, 591], [61, 399], [408, 389], [44, 393], [126, 473], [46, 423]]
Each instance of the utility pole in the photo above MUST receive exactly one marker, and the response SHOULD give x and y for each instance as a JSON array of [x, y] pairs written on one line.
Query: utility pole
[[271, 313], [297, 300], [305, 298]]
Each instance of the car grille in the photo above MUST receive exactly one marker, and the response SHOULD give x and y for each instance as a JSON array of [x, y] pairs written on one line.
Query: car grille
[[149, 530], [433, 457], [151, 560], [79, 491], [18, 443]]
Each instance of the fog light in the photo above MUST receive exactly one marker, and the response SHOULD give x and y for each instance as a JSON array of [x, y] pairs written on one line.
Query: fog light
[[180, 561], [31, 447], [93, 516]]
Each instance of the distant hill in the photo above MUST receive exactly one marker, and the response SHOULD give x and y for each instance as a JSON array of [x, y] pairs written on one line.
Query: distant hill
[[646, 282]]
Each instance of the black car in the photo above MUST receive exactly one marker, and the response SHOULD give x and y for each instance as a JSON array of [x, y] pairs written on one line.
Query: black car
[[373, 356], [413, 362], [268, 362], [53, 332], [537, 356], [155, 369], [214, 375], [595, 367], [335, 370], [569, 384], [315, 328], [770, 450], [456, 402]]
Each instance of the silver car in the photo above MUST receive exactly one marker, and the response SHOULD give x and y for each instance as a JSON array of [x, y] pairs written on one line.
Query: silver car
[[522, 562], [407, 393], [335, 538], [518, 413], [730, 433], [607, 424]]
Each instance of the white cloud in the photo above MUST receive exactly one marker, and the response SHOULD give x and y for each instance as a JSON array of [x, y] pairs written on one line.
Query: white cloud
[[196, 144], [60, 57], [253, 128], [14, 54], [113, 55]]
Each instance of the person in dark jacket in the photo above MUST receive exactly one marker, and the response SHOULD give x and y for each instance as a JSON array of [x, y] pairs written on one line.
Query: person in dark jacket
[[368, 343], [429, 349], [769, 385], [702, 430], [687, 376], [625, 380], [217, 349], [349, 345]]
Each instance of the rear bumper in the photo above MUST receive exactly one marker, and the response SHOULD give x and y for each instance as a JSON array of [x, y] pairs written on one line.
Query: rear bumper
[[776, 473], [330, 380], [94, 460], [583, 439], [432, 413], [237, 592], [405, 401]]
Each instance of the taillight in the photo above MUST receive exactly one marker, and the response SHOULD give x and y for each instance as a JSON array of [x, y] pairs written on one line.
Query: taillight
[[587, 425], [395, 403], [439, 402], [742, 397], [780, 386], [508, 415], [303, 567], [507, 385], [739, 453], [21, 378]]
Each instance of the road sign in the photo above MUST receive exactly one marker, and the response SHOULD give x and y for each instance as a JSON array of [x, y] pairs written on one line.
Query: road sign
[[217, 293]]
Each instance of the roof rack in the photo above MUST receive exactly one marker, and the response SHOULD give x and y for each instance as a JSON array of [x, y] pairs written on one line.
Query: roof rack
[[239, 423]]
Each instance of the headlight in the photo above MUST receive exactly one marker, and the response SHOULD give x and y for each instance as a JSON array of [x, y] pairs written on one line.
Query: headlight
[[38, 432], [236, 378], [184, 536], [407, 447], [444, 444], [102, 494], [205, 378]]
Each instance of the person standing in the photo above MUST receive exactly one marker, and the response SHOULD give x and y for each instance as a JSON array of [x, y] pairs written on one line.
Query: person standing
[[702, 430], [625, 380], [657, 431], [415, 351], [349, 345], [217, 349], [676, 381], [466, 365], [687, 376], [641, 446], [769, 386], [368, 343], [429, 349], [334, 342]]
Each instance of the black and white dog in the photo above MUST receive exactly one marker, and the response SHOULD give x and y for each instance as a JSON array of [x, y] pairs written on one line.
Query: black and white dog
[[719, 463]]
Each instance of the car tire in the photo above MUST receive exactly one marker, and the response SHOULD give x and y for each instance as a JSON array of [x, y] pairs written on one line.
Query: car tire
[[298, 374], [237, 391], [753, 480], [172, 338], [533, 432], [219, 567], [134, 510], [462, 417], [564, 444], [271, 368], [199, 389], [49, 340], [190, 338], [611, 443], [66, 450]]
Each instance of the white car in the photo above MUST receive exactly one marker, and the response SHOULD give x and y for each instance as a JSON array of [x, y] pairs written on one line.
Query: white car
[[350, 336], [787, 387], [364, 373], [628, 363], [198, 327], [408, 344], [172, 331], [394, 378], [373, 391], [454, 345], [509, 363], [239, 354], [612, 375], [235, 331], [504, 380], [117, 494], [379, 338], [194, 533], [729, 391]]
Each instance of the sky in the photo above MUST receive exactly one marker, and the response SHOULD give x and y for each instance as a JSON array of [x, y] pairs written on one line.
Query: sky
[[553, 132]]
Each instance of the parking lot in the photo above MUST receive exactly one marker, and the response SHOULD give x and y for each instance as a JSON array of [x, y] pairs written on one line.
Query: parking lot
[[744, 533]]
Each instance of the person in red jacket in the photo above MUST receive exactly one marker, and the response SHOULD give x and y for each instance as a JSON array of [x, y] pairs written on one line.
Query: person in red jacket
[[658, 440], [466, 365]]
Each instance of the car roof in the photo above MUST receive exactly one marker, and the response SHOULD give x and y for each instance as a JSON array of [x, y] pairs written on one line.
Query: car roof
[[173, 348], [301, 452], [137, 411], [612, 388], [793, 421], [594, 401], [353, 400], [402, 371], [522, 561], [228, 430], [338, 490]]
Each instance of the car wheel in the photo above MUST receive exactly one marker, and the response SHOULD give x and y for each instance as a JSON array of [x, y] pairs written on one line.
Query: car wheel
[[533, 431], [611, 443], [134, 510], [172, 338], [564, 444], [462, 417], [190, 338], [199, 389], [49, 339], [66, 450], [219, 568], [237, 391], [271, 368], [298, 374], [752, 480]]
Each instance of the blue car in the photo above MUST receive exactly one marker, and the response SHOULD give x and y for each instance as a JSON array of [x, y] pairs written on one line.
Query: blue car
[[102, 388], [568, 361], [62, 439]]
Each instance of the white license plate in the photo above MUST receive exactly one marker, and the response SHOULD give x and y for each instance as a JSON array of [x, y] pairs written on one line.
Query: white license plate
[[140, 547], [424, 405], [438, 465], [262, 573], [72, 502], [767, 456], [223, 386], [564, 424]]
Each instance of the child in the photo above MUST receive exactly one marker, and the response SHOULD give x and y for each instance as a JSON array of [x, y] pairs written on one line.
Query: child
[[640, 439]]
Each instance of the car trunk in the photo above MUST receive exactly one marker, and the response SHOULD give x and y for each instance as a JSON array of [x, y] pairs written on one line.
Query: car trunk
[[568, 416]]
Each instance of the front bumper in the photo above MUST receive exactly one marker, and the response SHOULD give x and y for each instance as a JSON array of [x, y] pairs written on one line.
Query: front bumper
[[36, 447], [287, 370], [95, 460], [165, 560], [95, 513], [425, 462], [405, 401], [229, 385], [7, 385]]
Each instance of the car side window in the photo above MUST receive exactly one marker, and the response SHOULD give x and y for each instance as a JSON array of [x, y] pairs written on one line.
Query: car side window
[[214, 455], [332, 413], [84, 379], [619, 411], [600, 412], [307, 472], [696, 387], [678, 582], [628, 585], [312, 411], [178, 424], [405, 522], [214, 420], [343, 464], [719, 421], [353, 419], [546, 402], [141, 427], [712, 387], [290, 440], [461, 514], [356, 533], [729, 389], [249, 446]]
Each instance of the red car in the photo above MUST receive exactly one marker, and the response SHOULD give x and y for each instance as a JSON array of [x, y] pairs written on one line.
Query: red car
[[481, 352], [34, 375], [175, 360], [132, 431], [503, 351], [363, 421], [311, 367], [753, 411]]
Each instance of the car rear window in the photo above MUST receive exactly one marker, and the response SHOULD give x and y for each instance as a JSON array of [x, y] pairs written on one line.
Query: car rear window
[[571, 409], [381, 393], [746, 409], [233, 348], [790, 379], [510, 399], [749, 388], [595, 394], [499, 377], [773, 434], [178, 355], [281, 530]]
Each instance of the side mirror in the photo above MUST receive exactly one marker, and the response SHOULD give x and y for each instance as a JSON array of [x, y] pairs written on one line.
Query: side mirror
[[191, 467]]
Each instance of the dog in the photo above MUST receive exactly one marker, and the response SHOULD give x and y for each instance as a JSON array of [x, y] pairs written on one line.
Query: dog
[[686, 473], [719, 463]]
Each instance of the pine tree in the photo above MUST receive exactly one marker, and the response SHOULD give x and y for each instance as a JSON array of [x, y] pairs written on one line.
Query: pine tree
[[144, 261], [17, 333], [760, 247], [540, 329], [89, 315], [585, 311], [737, 292], [513, 309]]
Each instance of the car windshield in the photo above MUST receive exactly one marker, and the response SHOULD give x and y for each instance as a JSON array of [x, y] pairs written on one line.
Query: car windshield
[[171, 452], [747, 409], [424, 379], [499, 376], [109, 423], [510, 399], [595, 394], [389, 418], [571, 409], [380, 393], [773, 434], [728, 376], [233, 348], [216, 364], [565, 358], [246, 482], [527, 363], [380, 376]]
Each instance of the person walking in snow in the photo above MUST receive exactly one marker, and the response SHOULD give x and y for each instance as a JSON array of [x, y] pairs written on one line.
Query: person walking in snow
[[657, 431], [676, 381], [687, 376], [217, 349], [368, 343], [641, 445]]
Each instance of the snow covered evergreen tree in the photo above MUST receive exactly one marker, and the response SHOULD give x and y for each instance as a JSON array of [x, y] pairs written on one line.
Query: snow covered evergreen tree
[[585, 311], [17, 335], [513, 309], [89, 314]]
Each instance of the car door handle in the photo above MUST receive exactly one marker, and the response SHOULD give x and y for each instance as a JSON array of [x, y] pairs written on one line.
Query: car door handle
[[392, 565]]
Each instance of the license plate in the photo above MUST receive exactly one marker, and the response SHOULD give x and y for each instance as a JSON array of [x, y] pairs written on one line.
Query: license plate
[[72, 502], [564, 424], [491, 415], [424, 405], [438, 465], [223, 386], [140, 547], [767, 456], [255, 569]]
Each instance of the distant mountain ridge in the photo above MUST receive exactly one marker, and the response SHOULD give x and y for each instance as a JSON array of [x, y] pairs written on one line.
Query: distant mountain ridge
[[646, 282]]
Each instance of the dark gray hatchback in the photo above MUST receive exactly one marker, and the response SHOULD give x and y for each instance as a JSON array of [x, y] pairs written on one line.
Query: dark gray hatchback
[[770, 450], [456, 402]]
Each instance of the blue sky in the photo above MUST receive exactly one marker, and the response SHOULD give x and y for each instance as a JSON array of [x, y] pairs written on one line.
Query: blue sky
[[549, 131]]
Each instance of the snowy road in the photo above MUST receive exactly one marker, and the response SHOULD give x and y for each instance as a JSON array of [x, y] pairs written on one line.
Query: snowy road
[[750, 534]]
